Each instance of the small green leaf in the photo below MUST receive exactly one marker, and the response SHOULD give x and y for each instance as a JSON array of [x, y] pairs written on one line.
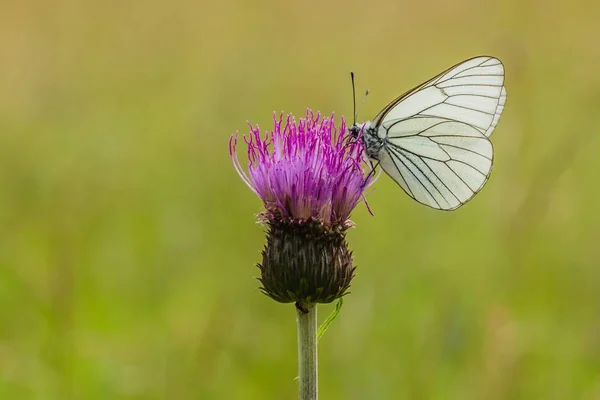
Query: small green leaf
[[325, 325]]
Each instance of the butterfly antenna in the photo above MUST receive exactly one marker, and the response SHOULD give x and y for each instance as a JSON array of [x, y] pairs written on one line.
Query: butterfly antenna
[[353, 97], [361, 104]]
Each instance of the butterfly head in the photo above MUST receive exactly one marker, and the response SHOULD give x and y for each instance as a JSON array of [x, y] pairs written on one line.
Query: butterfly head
[[354, 131]]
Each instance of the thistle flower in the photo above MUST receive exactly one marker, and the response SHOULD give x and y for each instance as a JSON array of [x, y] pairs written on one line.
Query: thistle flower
[[310, 176]]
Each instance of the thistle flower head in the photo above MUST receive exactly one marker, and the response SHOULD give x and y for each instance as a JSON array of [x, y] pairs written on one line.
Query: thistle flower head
[[310, 176], [304, 170]]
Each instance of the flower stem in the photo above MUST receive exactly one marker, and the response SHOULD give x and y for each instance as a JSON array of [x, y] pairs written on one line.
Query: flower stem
[[306, 318]]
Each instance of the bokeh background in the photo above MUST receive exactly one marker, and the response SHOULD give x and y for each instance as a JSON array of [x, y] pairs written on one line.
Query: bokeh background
[[128, 242]]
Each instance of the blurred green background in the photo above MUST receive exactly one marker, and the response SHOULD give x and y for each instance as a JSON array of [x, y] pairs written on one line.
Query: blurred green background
[[128, 242]]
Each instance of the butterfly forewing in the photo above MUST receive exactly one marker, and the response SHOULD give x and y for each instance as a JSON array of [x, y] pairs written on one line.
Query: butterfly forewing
[[435, 137]]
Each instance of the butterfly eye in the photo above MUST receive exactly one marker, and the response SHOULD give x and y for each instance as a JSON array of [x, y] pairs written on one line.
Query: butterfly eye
[[354, 131]]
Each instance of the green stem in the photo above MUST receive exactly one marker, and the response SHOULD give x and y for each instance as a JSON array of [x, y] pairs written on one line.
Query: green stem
[[306, 318]]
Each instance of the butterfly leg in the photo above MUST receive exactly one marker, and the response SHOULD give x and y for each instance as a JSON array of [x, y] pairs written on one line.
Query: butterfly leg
[[371, 172]]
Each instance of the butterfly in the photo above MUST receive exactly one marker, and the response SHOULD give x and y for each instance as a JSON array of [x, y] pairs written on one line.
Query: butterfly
[[433, 140]]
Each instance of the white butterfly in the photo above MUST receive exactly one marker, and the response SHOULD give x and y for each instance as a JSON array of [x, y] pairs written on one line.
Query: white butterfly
[[433, 140]]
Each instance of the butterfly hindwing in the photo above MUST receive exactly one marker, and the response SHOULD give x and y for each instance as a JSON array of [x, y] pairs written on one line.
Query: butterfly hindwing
[[443, 164]]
